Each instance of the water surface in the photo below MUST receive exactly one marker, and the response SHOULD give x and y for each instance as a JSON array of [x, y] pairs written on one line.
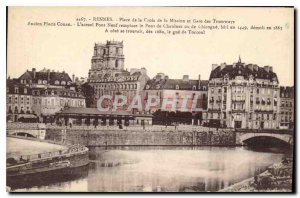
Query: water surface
[[154, 169]]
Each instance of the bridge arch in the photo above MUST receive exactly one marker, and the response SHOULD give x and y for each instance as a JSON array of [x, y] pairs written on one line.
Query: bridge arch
[[25, 134], [247, 137]]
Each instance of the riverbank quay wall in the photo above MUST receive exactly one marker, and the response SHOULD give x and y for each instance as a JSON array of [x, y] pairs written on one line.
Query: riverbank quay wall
[[139, 136], [76, 154]]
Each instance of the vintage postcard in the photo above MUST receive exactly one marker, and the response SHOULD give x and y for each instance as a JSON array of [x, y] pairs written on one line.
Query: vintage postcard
[[150, 99]]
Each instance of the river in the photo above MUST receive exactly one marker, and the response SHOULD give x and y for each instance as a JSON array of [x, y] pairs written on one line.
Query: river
[[154, 169]]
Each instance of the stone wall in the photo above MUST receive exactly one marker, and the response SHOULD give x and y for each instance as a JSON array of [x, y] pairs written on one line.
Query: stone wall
[[147, 138]]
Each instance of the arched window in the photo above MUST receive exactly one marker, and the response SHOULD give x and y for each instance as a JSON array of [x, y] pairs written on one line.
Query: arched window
[[194, 87], [177, 86]]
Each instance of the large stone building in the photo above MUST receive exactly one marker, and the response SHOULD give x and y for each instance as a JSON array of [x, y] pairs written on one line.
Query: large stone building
[[287, 106], [243, 96], [18, 100], [42, 94], [108, 77], [177, 95]]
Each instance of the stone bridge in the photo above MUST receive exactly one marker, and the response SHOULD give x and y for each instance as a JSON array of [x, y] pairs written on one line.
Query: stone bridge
[[36, 130], [241, 137]]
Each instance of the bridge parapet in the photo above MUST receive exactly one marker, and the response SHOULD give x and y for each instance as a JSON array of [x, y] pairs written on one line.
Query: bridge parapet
[[37, 130], [17, 125]]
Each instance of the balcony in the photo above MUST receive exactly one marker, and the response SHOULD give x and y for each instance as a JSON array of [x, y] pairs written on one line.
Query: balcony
[[214, 109], [218, 101], [238, 100], [238, 111], [263, 111]]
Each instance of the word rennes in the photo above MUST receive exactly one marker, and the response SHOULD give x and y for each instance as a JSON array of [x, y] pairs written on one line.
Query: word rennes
[[108, 103]]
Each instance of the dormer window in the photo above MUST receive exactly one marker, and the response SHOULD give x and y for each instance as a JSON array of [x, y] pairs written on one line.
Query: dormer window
[[44, 82], [147, 87], [204, 88], [177, 86], [63, 82], [56, 82], [39, 81], [194, 87]]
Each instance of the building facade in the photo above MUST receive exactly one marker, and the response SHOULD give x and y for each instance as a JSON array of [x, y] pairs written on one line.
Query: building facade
[[41, 94], [107, 74], [287, 106], [18, 100], [177, 95], [243, 96], [47, 102]]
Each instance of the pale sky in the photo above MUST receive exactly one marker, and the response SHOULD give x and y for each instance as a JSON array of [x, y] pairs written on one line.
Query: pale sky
[[71, 48]]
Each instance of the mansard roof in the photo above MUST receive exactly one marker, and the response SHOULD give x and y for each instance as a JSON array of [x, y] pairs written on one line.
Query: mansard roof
[[241, 69], [172, 83], [43, 75], [287, 92], [11, 84]]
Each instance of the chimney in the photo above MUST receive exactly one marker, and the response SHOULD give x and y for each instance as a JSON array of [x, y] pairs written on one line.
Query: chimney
[[73, 78], [270, 68], [185, 77], [223, 65], [250, 66], [199, 81], [34, 72], [48, 75], [266, 68], [214, 66]]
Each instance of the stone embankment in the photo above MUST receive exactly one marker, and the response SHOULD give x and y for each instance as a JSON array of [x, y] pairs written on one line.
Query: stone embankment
[[146, 136]]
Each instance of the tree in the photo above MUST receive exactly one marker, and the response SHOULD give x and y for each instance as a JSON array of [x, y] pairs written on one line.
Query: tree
[[89, 94]]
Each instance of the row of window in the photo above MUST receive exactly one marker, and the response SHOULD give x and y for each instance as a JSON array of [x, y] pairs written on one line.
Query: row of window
[[117, 86], [177, 87], [37, 92], [57, 82]]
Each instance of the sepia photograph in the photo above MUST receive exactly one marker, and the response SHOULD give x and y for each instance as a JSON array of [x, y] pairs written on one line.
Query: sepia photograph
[[150, 99]]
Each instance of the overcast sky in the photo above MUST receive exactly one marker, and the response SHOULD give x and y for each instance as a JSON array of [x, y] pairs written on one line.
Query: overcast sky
[[71, 49]]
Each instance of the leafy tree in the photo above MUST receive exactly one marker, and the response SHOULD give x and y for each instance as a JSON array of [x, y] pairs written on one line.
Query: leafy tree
[[89, 94]]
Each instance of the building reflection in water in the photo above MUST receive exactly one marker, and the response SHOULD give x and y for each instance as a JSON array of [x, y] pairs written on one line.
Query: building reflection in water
[[165, 169]]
